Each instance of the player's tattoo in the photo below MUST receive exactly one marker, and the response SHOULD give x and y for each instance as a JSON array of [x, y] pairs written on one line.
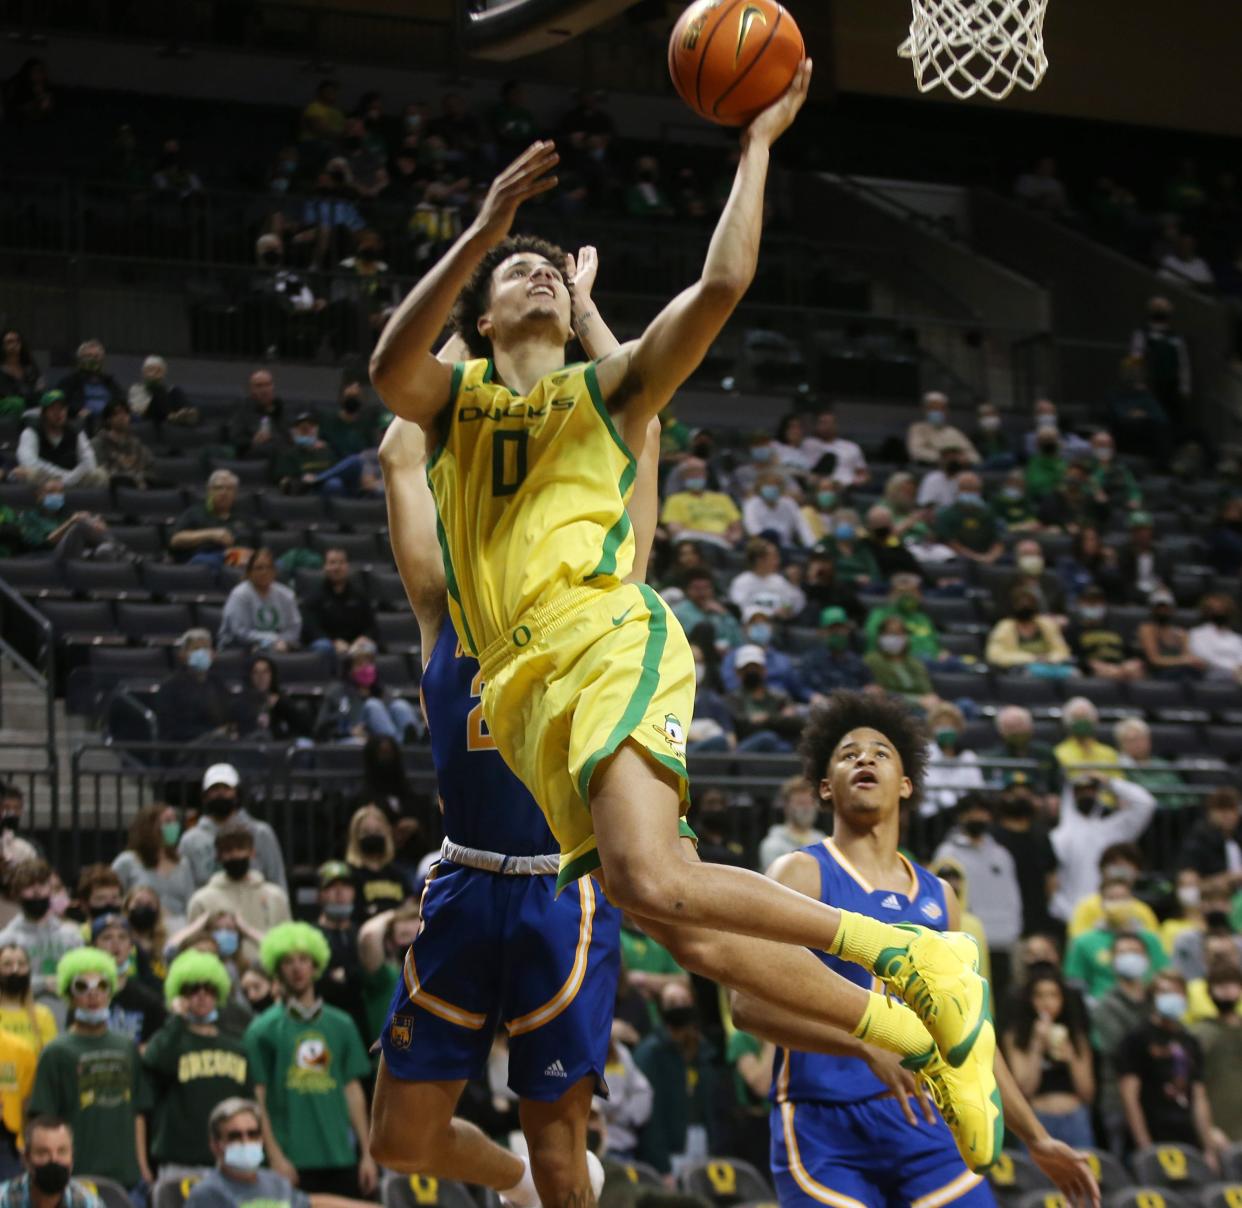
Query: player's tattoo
[[580, 1198]]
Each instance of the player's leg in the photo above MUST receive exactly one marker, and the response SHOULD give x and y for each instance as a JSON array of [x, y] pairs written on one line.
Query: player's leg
[[556, 1140]]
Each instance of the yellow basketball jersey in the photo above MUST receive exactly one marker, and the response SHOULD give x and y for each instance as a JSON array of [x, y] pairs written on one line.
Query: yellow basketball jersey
[[530, 494]]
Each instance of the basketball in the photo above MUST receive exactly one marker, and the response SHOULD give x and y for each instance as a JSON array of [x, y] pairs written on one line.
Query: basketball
[[730, 59]]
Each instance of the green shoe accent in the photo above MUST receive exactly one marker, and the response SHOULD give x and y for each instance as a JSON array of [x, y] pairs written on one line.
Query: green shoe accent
[[961, 1051], [916, 1061], [998, 1129]]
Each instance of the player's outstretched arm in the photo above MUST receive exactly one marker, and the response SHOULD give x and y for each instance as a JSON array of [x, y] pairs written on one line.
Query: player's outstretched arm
[[408, 377], [593, 333], [644, 505], [642, 376]]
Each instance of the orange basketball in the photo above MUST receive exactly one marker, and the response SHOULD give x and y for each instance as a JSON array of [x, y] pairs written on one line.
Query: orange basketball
[[729, 59]]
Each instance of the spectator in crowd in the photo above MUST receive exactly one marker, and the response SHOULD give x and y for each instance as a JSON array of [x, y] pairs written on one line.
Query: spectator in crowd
[[895, 668], [99, 892], [194, 704], [207, 533], [39, 930], [901, 496], [513, 124], [1047, 421], [800, 810], [20, 1016], [1214, 641], [939, 486], [1160, 1076], [151, 858], [1224, 538], [221, 805], [1110, 477], [1087, 962], [50, 526], [1213, 847], [1085, 830], [88, 389], [92, 1077], [950, 872], [762, 580], [255, 427], [263, 711], [1160, 777], [950, 770], [384, 781], [782, 671], [848, 465], [1081, 749], [700, 606], [383, 941], [645, 197], [18, 1065], [341, 983], [717, 842], [1018, 831], [47, 1171], [1137, 419], [1016, 729], [1220, 1038], [1075, 504], [1184, 265], [1165, 358], [763, 718], [712, 728], [1142, 568], [53, 449], [1041, 189], [20, 378], [1046, 465], [1165, 645], [192, 1064], [628, 1107], [1011, 505], [822, 589], [1102, 649], [968, 526], [695, 513], [1120, 862], [13, 848], [905, 601], [221, 934], [363, 296], [928, 436], [379, 884], [118, 452], [994, 449], [680, 1065], [1049, 1052], [323, 120], [833, 664], [239, 887], [852, 555], [818, 514], [305, 457], [149, 927], [1031, 574], [238, 1177], [307, 1063], [1090, 563], [173, 174], [338, 612], [789, 444], [771, 513], [353, 428], [259, 611], [359, 706], [152, 399], [136, 1010], [1194, 939]]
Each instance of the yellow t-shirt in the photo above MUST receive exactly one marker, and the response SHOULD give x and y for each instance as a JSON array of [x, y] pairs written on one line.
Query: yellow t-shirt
[[708, 512], [530, 495], [1090, 911], [1071, 754], [17, 1071], [16, 1022], [318, 117], [1199, 1004]]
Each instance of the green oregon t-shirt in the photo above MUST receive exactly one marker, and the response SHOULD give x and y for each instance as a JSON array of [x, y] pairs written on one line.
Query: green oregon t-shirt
[[96, 1083], [377, 991], [191, 1073], [740, 1045], [642, 954], [305, 1066], [1089, 961]]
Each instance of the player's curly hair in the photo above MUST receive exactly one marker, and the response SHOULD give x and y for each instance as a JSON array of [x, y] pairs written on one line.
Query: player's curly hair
[[193, 966], [84, 960], [476, 294], [287, 938], [846, 711]]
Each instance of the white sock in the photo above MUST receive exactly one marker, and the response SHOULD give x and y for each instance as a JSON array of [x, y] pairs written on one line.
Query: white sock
[[523, 1194], [595, 1168]]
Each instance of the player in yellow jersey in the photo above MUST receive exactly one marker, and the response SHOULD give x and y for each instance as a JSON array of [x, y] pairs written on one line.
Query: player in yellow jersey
[[589, 681]]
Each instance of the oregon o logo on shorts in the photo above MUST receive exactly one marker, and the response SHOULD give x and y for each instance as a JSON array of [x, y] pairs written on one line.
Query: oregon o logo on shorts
[[521, 636]]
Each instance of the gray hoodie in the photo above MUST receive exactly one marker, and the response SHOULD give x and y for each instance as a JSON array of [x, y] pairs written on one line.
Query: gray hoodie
[[249, 619], [198, 848]]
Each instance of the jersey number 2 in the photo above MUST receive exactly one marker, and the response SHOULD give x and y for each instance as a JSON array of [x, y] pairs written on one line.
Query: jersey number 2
[[477, 737], [508, 461]]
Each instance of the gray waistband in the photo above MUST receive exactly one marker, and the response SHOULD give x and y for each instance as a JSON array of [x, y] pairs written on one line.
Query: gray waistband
[[493, 861]]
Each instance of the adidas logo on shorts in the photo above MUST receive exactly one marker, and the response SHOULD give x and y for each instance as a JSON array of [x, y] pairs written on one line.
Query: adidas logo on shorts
[[555, 1070]]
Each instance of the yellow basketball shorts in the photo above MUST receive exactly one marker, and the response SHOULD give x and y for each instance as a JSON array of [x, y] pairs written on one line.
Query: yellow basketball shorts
[[572, 682]]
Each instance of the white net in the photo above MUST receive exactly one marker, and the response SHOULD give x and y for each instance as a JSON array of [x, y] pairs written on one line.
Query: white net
[[977, 46]]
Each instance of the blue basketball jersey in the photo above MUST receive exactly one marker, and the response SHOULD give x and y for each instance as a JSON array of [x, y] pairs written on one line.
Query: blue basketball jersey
[[815, 1077], [485, 805]]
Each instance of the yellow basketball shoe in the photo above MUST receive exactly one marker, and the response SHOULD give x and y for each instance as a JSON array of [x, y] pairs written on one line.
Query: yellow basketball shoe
[[968, 1099]]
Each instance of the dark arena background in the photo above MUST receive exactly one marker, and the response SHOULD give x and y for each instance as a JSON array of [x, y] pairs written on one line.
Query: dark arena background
[[974, 438]]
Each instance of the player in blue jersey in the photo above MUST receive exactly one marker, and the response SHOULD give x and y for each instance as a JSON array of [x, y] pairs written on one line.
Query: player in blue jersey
[[497, 947], [844, 1129]]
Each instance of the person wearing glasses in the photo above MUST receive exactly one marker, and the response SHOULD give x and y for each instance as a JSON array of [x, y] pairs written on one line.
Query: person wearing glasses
[[92, 1077], [192, 1064]]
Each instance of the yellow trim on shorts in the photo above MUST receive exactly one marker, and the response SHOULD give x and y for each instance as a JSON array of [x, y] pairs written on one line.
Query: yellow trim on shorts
[[577, 973], [816, 1190], [438, 1006], [966, 1181]]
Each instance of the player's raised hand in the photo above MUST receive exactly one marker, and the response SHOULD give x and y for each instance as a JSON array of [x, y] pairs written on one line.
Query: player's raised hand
[[888, 1069], [778, 116], [1068, 1170], [526, 177], [580, 272]]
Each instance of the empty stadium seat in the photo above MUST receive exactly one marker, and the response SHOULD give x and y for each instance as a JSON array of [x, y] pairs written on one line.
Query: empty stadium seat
[[176, 470], [255, 473], [178, 580], [423, 1191], [386, 588], [208, 616], [143, 662], [953, 614], [953, 685], [172, 1193], [1028, 691], [1171, 1165], [292, 511], [1221, 1195], [361, 515], [358, 547], [1171, 739], [725, 1182], [1232, 1162], [1153, 695], [1150, 1197], [1014, 1174], [166, 504], [88, 499], [1108, 1170], [110, 1193], [637, 1173], [1216, 696], [397, 629], [34, 576], [1040, 1199], [302, 667], [1105, 694], [146, 623], [145, 540], [393, 671], [115, 580]]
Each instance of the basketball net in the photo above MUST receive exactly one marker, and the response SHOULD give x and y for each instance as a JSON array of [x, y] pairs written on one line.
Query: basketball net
[[977, 46]]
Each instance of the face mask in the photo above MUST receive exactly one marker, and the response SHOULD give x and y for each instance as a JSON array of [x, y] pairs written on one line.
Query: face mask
[[1084, 803], [1012, 493], [976, 828], [199, 659], [760, 633], [368, 255], [838, 641], [35, 908], [907, 604], [827, 500], [1170, 1004], [1188, 896], [226, 941], [364, 676], [678, 1017], [1162, 616], [305, 440], [1025, 613], [53, 501], [1046, 421], [752, 677], [952, 467], [844, 532], [1093, 613], [372, 844], [244, 1155], [892, 643], [143, 918], [351, 404], [1082, 728], [338, 910], [946, 737], [1225, 1004], [1131, 966], [210, 1017], [935, 418], [170, 832], [236, 867], [15, 985], [1104, 455], [695, 485], [91, 1016], [1031, 564], [761, 453], [990, 423], [97, 912], [221, 807], [51, 1178], [971, 499], [1019, 809], [10, 822], [1049, 448], [770, 493], [700, 670], [1120, 871], [259, 1005], [271, 259]]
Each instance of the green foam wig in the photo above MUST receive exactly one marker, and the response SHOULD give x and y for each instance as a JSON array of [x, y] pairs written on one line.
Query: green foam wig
[[192, 967], [84, 960], [288, 938]]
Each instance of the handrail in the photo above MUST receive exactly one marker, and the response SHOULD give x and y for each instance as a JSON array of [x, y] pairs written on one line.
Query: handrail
[[126, 699], [45, 678]]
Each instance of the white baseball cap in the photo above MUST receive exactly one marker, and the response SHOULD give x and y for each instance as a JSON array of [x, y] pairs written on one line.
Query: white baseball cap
[[750, 656], [221, 773]]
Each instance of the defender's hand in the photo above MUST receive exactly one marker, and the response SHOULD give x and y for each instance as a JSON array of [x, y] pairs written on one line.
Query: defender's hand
[[1068, 1170], [777, 117], [524, 178]]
